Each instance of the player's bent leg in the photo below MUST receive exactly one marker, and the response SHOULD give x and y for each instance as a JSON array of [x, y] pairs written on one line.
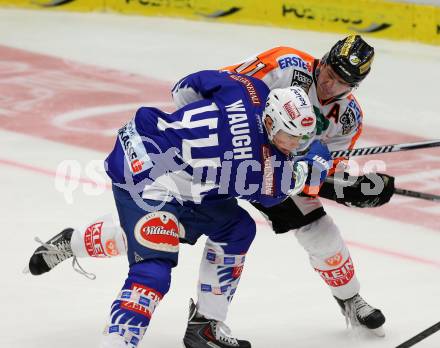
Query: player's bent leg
[[220, 271], [131, 312], [152, 250], [218, 280], [329, 256], [102, 238]]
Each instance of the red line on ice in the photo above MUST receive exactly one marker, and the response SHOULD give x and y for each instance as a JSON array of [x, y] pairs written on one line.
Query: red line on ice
[[51, 173], [383, 251], [393, 253]]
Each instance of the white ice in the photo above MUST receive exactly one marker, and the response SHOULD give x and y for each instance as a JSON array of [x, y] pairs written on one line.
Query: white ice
[[281, 302]]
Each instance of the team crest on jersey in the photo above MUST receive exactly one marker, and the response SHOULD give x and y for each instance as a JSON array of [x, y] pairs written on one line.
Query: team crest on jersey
[[348, 121], [302, 80], [158, 231]]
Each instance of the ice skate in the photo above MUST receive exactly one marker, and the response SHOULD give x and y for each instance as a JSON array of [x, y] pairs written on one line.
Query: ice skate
[[359, 313], [52, 253], [204, 333]]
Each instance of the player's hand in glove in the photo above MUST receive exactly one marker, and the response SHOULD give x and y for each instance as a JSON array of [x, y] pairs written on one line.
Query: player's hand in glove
[[311, 169], [365, 192]]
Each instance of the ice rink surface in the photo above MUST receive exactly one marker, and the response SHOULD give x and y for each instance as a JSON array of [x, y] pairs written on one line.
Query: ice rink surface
[[68, 81]]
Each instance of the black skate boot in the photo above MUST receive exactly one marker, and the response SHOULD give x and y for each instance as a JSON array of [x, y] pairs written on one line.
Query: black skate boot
[[205, 333], [359, 313], [52, 253]]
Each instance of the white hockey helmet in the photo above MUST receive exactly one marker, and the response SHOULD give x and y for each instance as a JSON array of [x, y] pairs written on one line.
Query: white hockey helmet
[[291, 111]]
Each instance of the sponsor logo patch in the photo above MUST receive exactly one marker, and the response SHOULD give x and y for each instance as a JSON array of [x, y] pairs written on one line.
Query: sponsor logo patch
[[93, 241], [249, 88], [134, 149], [307, 121], [158, 231], [268, 171], [354, 60], [294, 61], [136, 166], [216, 290], [345, 50], [300, 98], [364, 67], [334, 260], [339, 276], [291, 110], [205, 287], [146, 296], [302, 80], [229, 260], [211, 256], [111, 248]]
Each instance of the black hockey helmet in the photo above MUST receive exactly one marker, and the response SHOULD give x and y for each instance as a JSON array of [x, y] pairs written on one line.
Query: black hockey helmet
[[351, 59]]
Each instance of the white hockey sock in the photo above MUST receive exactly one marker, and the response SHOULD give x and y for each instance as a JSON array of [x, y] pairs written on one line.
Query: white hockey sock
[[101, 238], [218, 280], [329, 256]]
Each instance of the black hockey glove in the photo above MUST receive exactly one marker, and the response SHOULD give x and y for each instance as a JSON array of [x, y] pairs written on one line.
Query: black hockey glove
[[365, 192]]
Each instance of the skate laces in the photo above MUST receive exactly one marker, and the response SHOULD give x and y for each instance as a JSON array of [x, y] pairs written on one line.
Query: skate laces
[[55, 254], [356, 308], [223, 333], [363, 309]]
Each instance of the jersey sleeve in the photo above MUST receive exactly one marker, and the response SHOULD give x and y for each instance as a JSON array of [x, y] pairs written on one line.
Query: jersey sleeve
[[195, 87], [276, 66]]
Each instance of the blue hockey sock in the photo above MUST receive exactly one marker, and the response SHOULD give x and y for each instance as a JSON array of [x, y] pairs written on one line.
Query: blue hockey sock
[[131, 312]]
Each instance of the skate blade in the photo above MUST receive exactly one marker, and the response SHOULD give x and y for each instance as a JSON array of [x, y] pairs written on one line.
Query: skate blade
[[380, 332]]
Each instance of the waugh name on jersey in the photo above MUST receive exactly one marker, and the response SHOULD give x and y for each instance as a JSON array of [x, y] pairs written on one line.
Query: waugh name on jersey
[[239, 127]]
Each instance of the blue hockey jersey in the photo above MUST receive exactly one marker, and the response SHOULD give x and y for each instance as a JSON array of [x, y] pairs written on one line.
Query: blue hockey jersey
[[212, 149]]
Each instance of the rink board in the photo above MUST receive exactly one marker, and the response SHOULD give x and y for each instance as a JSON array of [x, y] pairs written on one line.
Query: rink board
[[383, 19]]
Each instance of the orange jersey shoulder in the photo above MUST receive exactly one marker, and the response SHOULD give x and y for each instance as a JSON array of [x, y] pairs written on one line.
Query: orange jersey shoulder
[[270, 60]]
